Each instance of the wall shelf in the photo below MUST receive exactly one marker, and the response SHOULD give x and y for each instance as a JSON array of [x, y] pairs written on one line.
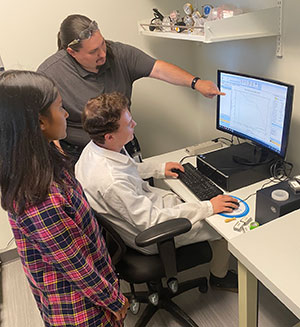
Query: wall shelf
[[261, 23]]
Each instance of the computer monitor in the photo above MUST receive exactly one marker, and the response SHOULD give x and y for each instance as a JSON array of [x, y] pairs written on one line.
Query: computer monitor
[[256, 109]]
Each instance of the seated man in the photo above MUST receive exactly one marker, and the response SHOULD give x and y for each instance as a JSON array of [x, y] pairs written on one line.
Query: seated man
[[113, 183]]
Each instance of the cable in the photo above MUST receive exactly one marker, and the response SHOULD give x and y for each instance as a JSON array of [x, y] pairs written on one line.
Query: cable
[[281, 170], [223, 138], [262, 187], [267, 183], [248, 197], [182, 159]]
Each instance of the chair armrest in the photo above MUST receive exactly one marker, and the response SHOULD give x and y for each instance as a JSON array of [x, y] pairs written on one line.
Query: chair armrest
[[163, 231]]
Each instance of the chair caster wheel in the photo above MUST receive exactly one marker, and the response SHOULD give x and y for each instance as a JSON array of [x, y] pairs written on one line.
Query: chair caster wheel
[[173, 285], [153, 298], [203, 287], [134, 307]]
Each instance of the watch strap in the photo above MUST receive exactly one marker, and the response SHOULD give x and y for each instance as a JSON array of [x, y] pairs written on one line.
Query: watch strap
[[194, 81]]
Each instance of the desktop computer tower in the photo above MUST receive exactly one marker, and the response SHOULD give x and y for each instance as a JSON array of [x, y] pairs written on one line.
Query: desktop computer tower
[[226, 168], [267, 208]]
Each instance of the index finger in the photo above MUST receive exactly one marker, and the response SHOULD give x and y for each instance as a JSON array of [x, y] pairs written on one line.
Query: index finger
[[229, 198], [214, 94]]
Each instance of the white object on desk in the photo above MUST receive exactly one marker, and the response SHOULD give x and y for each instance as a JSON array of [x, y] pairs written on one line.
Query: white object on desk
[[270, 254], [203, 147], [238, 226], [280, 195]]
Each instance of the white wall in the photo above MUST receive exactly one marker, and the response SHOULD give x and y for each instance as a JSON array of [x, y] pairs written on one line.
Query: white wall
[[5, 232], [168, 117], [188, 117], [257, 56]]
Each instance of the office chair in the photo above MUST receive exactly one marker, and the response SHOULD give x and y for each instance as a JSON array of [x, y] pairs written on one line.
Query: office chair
[[136, 268]]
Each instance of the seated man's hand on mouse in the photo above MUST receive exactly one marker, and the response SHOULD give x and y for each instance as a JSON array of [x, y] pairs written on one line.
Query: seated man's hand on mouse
[[224, 203], [172, 168]]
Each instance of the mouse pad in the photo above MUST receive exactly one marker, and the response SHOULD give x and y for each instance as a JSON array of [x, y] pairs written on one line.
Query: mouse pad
[[241, 211]]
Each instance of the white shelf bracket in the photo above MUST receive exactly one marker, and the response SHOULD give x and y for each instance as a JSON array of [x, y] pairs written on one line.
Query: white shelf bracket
[[279, 37]]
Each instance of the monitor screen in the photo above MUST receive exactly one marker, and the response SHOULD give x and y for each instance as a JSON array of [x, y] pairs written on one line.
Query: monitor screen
[[255, 109]]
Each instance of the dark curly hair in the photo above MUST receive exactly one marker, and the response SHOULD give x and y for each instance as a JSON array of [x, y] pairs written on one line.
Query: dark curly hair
[[101, 115]]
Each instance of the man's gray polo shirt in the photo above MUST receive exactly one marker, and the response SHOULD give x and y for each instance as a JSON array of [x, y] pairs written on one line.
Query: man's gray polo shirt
[[76, 85]]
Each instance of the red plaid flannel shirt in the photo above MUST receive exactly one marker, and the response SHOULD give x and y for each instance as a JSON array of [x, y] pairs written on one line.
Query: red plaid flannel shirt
[[65, 259]]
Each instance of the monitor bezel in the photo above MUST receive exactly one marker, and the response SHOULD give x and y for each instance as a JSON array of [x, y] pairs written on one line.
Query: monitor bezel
[[287, 116]]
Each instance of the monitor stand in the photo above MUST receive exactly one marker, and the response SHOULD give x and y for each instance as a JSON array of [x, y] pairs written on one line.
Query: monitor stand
[[226, 170], [255, 156]]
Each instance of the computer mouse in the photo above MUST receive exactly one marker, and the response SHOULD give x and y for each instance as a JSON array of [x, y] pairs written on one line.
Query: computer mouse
[[177, 171], [238, 212], [235, 203]]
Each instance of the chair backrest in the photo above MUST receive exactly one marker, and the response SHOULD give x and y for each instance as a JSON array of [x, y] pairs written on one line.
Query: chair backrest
[[115, 245]]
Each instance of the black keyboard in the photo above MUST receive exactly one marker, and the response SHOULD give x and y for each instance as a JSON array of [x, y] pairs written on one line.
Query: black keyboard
[[198, 183]]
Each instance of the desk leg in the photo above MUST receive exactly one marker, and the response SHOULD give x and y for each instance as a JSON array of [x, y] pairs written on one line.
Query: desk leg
[[247, 297]]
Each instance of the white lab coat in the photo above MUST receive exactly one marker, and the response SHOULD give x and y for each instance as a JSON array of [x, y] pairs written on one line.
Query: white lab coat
[[114, 187]]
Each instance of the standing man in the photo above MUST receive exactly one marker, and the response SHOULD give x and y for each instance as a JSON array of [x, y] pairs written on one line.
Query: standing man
[[87, 65]]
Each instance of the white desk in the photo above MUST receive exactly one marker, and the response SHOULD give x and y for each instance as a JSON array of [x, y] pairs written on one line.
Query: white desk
[[265, 253], [269, 254], [216, 221]]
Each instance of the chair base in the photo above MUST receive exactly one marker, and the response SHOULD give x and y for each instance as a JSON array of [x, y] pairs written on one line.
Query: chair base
[[165, 302]]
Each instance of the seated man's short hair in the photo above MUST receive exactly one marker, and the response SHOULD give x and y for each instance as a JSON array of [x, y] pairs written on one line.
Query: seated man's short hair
[[101, 115]]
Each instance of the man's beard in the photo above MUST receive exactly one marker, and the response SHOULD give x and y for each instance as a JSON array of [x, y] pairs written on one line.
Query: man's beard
[[99, 66]]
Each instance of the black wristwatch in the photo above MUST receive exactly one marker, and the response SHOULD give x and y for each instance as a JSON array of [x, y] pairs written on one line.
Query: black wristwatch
[[194, 81]]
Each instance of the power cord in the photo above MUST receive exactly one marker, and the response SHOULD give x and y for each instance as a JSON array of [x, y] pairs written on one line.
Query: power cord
[[223, 138], [281, 170], [182, 159], [248, 197]]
